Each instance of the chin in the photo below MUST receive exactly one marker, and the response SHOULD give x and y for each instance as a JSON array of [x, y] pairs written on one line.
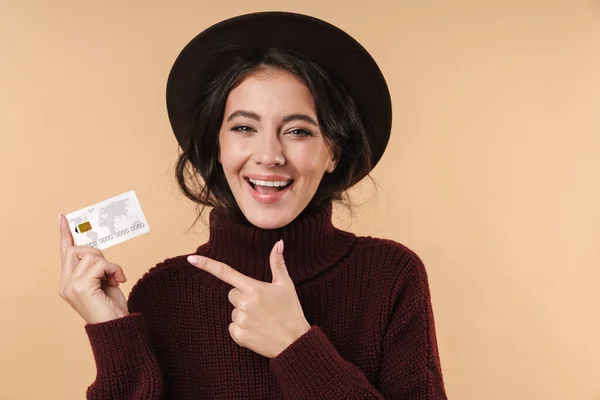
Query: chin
[[270, 218]]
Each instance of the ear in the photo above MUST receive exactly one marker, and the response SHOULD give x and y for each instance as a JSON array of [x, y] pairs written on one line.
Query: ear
[[331, 165]]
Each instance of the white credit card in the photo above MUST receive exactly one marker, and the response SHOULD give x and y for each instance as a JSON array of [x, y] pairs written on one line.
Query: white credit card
[[108, 222]]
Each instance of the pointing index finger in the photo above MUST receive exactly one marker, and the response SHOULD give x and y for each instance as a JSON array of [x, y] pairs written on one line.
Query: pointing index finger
[[227, 274]]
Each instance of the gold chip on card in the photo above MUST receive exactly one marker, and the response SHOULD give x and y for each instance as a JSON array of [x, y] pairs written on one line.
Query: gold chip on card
[[83, 227]]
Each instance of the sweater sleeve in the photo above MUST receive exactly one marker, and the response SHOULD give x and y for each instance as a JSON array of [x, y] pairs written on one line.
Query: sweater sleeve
[[125, 361], [311, 368]]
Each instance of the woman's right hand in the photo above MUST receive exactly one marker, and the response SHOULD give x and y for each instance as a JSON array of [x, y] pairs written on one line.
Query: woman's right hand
[[90, 283]]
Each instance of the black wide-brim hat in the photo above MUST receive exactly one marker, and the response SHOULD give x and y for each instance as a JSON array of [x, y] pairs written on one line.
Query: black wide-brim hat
[[341, 56]]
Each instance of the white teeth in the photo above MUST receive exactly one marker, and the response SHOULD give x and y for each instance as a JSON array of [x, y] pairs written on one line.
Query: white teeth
[[270, 183]]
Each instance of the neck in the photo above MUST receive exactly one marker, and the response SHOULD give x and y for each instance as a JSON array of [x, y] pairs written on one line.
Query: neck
[[311, 244]]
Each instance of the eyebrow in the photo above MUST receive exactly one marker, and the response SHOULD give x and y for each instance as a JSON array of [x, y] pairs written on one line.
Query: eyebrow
[[287, 118], [243, 113], [300, 117]]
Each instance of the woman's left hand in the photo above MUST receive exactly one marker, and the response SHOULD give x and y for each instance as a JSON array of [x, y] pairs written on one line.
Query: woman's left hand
[[267, 317]]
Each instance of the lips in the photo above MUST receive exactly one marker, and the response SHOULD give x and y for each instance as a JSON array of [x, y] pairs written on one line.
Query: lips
[[274, 195], [261, 177], [268, 186]]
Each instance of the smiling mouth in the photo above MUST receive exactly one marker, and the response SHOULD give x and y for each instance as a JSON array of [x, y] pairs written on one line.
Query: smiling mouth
[[267, 187]]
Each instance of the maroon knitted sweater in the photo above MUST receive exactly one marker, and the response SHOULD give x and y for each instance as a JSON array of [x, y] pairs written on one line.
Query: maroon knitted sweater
[[367, 300]]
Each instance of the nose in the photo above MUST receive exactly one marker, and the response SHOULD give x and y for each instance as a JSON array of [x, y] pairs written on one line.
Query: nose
[[268, 150]]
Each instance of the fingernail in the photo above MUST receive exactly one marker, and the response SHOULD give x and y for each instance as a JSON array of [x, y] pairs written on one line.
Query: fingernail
[[280, 247], [193, 259], [59, 219]]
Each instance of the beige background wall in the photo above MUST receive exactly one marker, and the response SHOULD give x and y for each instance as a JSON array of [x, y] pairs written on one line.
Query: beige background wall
[[492, 174]]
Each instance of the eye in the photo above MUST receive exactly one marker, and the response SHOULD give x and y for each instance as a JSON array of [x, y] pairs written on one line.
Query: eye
[[242, 128], [300, 132]]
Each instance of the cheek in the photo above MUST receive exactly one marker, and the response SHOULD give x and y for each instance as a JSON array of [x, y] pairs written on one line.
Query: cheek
[[309, 161], [232, 156]]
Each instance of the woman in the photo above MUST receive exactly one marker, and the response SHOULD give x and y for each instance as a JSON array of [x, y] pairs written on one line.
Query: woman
[[279, 114]]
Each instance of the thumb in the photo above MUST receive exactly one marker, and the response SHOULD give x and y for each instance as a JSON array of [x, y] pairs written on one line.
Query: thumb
[[277, 262]]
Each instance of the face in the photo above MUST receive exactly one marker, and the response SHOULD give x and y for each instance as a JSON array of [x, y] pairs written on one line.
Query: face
[[271, 147]]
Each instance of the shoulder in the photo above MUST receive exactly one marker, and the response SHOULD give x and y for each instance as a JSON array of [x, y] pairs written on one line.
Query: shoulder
[[396, 274], [390, 260], [401, 277], [392, 254]]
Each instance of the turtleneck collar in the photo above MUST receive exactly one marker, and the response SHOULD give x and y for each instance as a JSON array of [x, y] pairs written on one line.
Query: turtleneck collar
[[311, 245]]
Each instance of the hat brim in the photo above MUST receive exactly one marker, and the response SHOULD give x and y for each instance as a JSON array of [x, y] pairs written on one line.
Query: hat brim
[[330, 47]]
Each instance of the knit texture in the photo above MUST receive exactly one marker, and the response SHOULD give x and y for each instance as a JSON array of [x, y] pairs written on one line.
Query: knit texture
[[372, 330]]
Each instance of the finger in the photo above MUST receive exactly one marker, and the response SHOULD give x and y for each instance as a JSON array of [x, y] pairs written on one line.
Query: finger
[[85, 263], [101, 268], [240, 318], [234, 332], [224, 272], [277, 263], [112, 281], [234, 297], [73, 255], [66, 238]]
